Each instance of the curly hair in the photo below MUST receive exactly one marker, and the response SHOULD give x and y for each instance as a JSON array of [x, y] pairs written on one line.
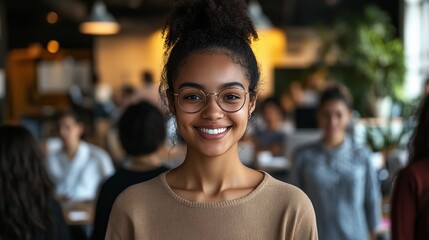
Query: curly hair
[[209, 26], [25, 187], [141, 129], [419, 144]]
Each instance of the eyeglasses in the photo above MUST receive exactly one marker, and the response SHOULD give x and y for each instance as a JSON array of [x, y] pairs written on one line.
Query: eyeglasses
[[192, 100]]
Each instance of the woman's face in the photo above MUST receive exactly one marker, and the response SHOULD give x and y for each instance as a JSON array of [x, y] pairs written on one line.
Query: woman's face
[[333, 118], [211, 131], [70, 130]]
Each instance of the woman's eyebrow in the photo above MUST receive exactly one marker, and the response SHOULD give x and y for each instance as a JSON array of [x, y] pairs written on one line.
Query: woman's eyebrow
[[191, 84], [232, 84], [201, 87]]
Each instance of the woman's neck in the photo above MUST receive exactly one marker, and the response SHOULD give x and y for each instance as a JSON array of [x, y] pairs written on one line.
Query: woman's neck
[[334, 141], [203, 173]]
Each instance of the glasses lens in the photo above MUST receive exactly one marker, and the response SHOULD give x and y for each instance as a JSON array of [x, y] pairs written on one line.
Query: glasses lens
[[191, 100], [231, 99]]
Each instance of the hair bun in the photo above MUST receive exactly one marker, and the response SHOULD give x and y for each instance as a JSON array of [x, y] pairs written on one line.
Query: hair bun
[[217, 17]]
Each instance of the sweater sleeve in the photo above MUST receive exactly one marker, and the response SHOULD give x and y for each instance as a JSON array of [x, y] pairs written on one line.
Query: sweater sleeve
[[306, 228], [403, 212], [119, 227]]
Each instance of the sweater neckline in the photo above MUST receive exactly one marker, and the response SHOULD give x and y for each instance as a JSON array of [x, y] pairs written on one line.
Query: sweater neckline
[[220, 204]]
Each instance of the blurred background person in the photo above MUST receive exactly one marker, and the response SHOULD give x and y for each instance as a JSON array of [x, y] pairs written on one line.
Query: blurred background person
[[142, 134], [410, 199], [270, 136], [27, 206], [77, 167], [337, 174], [149, 90]]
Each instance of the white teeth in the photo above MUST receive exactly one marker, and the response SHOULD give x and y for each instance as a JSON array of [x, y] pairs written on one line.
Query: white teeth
[[213, 131]]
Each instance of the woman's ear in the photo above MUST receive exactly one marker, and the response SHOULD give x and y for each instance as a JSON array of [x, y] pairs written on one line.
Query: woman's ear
[[252, 104], [171, 105]]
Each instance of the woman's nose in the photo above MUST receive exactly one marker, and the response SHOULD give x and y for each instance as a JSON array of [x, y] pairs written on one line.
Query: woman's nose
[[211, 109]]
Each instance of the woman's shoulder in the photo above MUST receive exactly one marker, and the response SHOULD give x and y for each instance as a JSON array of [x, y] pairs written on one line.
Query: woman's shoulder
[[140, 191], [287, 193]]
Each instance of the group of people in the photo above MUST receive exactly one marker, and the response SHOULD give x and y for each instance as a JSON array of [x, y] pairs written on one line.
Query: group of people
[[210, 84]]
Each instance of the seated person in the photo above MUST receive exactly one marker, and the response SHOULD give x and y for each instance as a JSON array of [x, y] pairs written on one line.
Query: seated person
[[271, 136], [142, 135], [78, 167], [28, 209]]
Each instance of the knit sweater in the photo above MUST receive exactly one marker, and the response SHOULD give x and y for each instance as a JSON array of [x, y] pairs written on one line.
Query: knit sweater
[[152, 210]]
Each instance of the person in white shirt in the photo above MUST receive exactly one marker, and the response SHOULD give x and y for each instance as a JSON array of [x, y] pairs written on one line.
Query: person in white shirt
[[77, 168]]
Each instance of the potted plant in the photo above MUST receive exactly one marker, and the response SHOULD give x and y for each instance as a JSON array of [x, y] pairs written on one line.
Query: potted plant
[[363, 52]]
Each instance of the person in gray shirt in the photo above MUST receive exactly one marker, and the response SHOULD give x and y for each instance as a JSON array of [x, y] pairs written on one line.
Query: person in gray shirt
[[337, 174]]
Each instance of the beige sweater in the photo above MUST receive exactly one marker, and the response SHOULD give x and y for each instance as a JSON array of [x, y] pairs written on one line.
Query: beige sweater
[[151, 210]]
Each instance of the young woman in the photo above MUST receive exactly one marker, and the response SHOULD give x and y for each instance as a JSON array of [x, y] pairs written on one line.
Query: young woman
[[410, 199], [27, 206], [211, 79], [337, 174]]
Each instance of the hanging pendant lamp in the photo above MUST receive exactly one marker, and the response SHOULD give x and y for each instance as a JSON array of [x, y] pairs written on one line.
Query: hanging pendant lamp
[[100, 21]]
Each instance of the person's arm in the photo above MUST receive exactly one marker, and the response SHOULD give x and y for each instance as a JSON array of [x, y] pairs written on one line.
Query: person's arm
[[403, 212], [372, 197], [102, 212]]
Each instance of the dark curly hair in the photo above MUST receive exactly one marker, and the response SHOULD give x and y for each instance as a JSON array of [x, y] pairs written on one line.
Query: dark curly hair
[[419, 144], [141, 129], [209, 26], [25, 187]]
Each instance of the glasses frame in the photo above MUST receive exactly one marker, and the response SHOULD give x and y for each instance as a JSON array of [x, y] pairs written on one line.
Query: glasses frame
[[206, 95]]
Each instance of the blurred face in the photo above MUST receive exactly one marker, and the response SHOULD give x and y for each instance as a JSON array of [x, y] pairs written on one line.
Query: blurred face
[[272, 115], [70, 131], [333, 118], [215, 85]]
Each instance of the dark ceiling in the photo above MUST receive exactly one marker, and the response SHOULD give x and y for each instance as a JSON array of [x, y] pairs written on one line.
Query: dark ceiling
[[26, 18]]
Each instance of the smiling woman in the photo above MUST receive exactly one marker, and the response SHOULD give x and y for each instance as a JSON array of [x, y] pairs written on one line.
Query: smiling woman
[[210, 85]]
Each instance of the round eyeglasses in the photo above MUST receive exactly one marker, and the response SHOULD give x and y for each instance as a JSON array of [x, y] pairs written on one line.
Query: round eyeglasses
[[192, 100]]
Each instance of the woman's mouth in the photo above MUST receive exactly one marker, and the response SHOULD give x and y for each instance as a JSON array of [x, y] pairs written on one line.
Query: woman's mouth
[[213, 131]]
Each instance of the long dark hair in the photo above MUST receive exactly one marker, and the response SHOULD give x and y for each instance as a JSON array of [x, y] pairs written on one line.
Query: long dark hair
[[419, 144], [209, 26], [25, 187]]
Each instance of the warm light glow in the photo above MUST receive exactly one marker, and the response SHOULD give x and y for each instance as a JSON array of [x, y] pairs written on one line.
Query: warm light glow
[[99, 28], [270, 50], [34, 50], [52, 17], [53, 46]]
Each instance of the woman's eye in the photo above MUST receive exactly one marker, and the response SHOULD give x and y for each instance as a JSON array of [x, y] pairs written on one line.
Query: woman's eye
[[232, 97], [193, 97]]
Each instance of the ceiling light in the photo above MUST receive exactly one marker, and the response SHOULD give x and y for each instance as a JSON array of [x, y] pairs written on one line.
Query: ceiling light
[[259, 19], [100, 21]]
